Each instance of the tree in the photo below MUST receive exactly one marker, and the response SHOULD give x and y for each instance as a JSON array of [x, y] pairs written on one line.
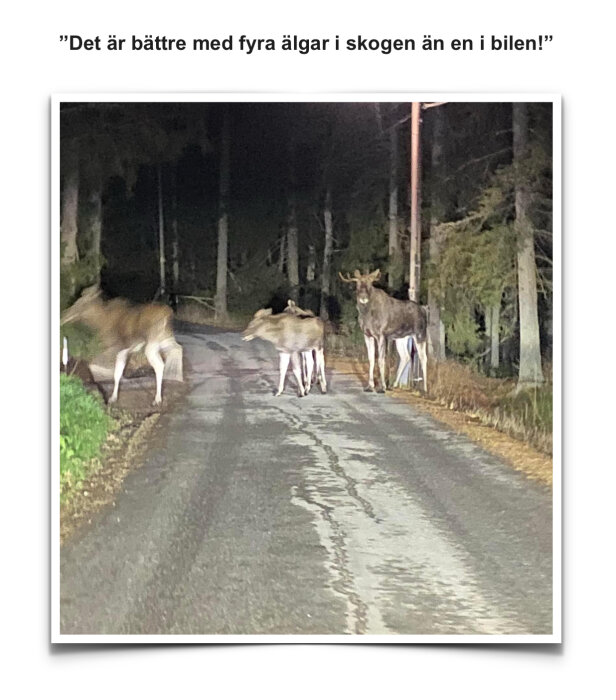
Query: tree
[[436, 328], [476, 267], [161, 234], [395, 266], [70, 203], [530, 373], [175, 241], [223, 217], [292, 231], [327, 253], [94, 224]]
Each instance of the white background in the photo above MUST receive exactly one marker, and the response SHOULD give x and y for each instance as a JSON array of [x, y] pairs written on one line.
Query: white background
[[576, 65]]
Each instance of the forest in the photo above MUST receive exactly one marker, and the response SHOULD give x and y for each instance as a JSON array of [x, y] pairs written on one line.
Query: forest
[[223, 208]]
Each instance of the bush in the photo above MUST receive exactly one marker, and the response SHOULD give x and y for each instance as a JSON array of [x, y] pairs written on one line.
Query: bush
[[84, 424], [83, 343], [526, 415]]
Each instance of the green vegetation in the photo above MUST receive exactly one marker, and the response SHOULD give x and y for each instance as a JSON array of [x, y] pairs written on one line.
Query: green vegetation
[[82, 342], [84, 424]]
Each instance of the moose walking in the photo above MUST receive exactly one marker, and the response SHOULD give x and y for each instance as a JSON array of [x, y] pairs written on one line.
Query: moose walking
[[128, 328], [382, 317]]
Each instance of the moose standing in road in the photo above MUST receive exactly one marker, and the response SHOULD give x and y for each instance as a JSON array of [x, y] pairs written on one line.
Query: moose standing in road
[[309, 358], [291, 335], [128, 328], [382, 317]]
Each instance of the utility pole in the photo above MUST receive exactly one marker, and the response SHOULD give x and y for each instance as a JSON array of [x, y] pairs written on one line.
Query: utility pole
[[415, 255]]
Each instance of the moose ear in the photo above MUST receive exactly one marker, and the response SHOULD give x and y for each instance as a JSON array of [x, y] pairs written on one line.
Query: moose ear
[[357, 274], [375, 275], [290, 303]]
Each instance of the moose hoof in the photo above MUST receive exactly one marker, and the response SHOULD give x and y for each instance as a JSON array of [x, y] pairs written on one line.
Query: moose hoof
[[369, 388], [112, 399], [380, 390]]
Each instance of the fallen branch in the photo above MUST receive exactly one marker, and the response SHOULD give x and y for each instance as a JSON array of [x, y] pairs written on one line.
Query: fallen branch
[[206, 301]]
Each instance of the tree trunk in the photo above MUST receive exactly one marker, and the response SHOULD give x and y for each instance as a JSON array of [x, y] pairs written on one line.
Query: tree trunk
[[161, 234], [327, 255], [70, 206], [311, 267], [493, 332], [95, 210], [415, 255], [436, 328], [223, 219], [281, 253], [292, 234], [530, 373], [175, 261], [292, 251], [393, 276]]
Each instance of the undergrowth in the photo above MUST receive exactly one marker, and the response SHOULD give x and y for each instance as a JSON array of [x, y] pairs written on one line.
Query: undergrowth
[[526, 415], [84, 424]]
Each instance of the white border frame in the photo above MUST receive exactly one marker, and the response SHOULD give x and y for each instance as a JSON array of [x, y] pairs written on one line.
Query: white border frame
[[556, 637]]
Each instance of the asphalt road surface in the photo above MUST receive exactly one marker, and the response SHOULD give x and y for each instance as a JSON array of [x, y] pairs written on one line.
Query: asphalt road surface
[[345, 513]]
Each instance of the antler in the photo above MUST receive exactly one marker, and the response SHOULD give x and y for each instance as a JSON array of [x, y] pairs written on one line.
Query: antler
[[348, 278]]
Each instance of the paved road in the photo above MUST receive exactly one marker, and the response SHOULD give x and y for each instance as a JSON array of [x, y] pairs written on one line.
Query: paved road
[[345, 513]]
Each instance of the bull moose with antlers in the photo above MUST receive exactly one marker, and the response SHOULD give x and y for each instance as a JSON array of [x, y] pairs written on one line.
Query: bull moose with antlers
[[382, 317]]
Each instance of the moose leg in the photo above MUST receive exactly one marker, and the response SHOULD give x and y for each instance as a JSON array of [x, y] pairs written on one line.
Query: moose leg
[[154, 358], [321, 370], [382, 352], [284, 364], [423, 360], [118, 371], [296, 363], [309, 366], [370, 346], [405, 357]]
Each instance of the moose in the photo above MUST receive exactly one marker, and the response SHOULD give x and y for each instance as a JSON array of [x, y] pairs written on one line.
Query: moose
[[128, 328], [309, 359], [382, 317], [292, 335]]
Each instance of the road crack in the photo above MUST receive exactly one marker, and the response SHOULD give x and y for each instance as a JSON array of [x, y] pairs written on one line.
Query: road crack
[[343, 584]]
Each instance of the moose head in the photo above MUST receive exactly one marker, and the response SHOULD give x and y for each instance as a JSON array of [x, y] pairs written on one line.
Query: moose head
[[364, 284], [258, 322], [82, 306]]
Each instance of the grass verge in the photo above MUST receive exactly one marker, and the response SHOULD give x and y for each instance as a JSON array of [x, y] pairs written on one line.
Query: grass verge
[[515, 426], [84, 424]]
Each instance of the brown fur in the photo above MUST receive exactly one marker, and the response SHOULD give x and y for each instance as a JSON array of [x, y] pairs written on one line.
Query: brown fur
[[287, 332], [293, 308], [382, 317], [127, 328], [119, 322], [291, 335]]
